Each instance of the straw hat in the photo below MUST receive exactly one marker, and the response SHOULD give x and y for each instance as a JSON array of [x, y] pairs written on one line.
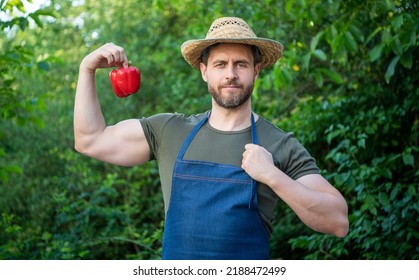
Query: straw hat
[[231, 30]]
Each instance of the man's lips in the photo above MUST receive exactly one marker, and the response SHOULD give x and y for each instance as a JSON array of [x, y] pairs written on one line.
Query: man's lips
[[233, 86]]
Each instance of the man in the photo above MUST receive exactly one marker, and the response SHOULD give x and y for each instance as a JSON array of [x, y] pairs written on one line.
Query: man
[[223, 171]]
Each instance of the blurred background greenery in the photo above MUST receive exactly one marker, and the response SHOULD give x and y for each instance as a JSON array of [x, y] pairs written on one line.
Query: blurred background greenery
[[347, 86]]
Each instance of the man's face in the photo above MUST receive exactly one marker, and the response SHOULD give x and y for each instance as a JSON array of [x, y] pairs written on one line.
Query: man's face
[[230, 74]]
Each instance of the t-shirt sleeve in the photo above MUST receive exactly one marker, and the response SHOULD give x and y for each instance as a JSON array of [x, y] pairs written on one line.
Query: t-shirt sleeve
[[295, 160], [153, 130]]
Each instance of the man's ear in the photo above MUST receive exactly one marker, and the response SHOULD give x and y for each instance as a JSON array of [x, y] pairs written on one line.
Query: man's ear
[[257, 70], [203, 69]]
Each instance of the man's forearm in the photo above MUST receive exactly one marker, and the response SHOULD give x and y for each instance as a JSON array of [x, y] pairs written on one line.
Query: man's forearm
[[88, 117], [321, 208]]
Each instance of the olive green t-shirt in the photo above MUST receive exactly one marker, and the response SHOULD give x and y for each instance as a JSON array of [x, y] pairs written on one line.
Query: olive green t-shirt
[[166, 133]]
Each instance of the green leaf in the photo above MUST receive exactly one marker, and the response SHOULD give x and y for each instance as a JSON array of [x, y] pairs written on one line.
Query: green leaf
[[314, 41], [334, 76], [413, 37], [396, 46], [320, 54], [13, 169], [2, 153], [256, 87], [386, 173], [318, 77], [407, 60], [397, 22], [409, 159], [411, 190], [45, 12], [286, 77], [36, 19], [373, 34], [375, 53], [361, 143], [42, 65], [4, 177], [46, 236], [357, 33], [332, 37], [38, 122], [13, 4], [350, 42], [390, 69], [23, 23], [376, 161], [340, 179], [306, 60], [383, 198]]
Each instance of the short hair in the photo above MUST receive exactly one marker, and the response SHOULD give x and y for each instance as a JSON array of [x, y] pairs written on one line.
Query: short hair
[[255, 52]]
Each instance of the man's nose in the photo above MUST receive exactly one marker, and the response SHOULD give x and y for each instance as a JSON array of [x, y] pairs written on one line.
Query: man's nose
[[231, 73]]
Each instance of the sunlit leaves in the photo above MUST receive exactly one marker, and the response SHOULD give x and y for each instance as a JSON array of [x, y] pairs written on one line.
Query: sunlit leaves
[[9, 5], [14, 13]]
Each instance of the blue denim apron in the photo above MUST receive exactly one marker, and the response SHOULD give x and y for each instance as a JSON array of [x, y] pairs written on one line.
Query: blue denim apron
[[213, 211]]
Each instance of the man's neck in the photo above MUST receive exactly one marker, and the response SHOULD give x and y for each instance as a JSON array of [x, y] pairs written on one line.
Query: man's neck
[[231, 120]]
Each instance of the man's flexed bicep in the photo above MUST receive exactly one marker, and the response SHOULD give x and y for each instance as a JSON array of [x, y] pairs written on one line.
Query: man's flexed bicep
[[121, 144]]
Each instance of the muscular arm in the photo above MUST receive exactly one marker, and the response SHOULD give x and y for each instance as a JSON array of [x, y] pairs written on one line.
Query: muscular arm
[[123, 143], [315, 201]]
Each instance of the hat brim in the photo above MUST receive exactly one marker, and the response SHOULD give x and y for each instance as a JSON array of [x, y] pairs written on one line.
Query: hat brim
[[270, 50]]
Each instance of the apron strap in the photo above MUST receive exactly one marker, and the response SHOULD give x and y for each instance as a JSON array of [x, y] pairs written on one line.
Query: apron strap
[[254, 134], [191, 135], [253, 198]]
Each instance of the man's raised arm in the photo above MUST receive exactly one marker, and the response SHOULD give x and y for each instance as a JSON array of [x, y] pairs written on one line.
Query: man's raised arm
[[123, 143]]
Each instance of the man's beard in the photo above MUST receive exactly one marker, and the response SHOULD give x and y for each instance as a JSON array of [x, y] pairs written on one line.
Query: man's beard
[[233, 101]]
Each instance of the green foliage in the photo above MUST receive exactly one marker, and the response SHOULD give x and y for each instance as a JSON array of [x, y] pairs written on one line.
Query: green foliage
[[16, 62], [363, 129], [346, 86]]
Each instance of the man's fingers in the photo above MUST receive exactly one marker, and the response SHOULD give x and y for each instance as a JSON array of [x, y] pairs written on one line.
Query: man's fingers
[[115, 55]]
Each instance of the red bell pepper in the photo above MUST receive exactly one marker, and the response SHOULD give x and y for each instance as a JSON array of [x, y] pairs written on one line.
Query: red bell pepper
[[125, 81]]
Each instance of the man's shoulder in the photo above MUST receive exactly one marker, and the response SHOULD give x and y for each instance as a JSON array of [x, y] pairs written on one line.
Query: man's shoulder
[[269, 128], [171, 121]]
